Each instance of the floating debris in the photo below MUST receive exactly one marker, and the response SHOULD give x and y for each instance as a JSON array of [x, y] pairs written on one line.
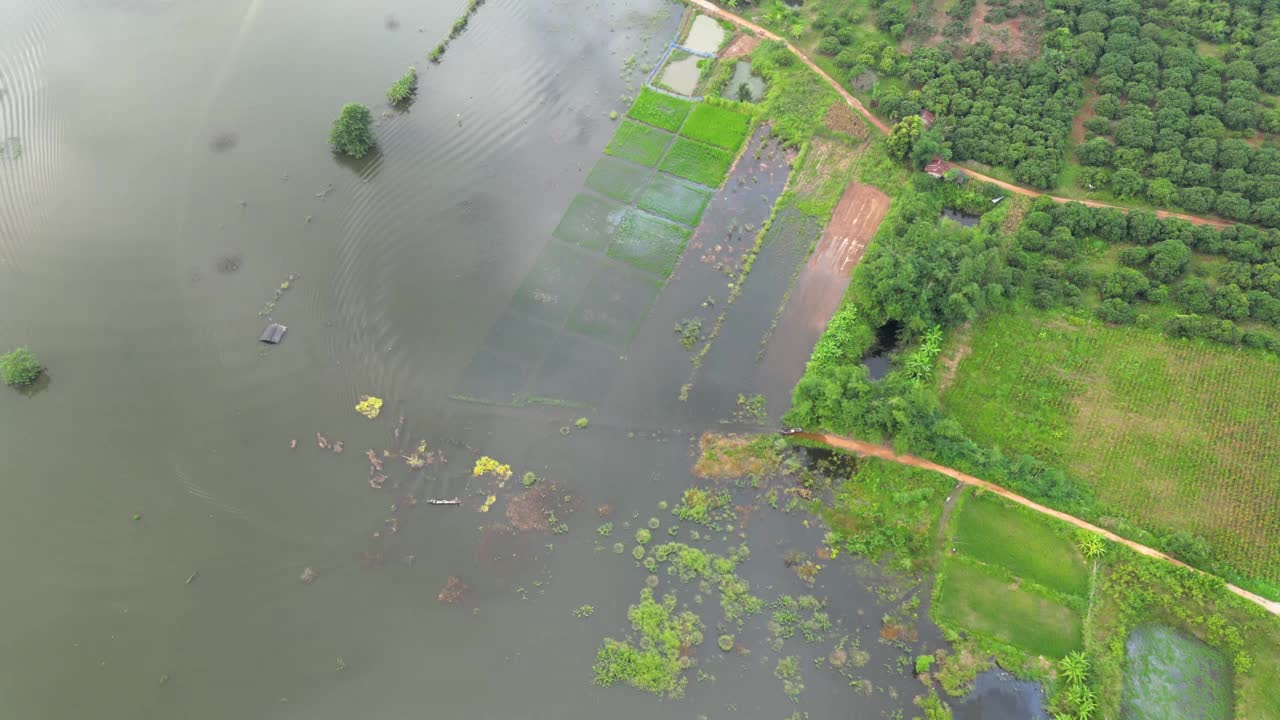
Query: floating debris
[[376, 480], [453, 590], [322, 442], [337, 447], [369, 406], [374, 461], [192, 577], [454, 501], [293, 444], [308, 576]]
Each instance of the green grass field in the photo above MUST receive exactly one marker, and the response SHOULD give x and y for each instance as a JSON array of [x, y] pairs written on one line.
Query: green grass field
[[618, 179], [717, 126], [648, 242], [659, 110], [996, 532], [978, 601], [1170, 434], [697, 162], [674, 199], [638, 143]]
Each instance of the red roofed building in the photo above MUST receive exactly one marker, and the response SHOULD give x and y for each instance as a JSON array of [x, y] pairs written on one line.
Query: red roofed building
[[937, 167], [927, 117]]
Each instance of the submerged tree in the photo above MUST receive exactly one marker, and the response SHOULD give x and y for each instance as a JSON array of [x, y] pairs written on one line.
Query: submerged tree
[[19, 367], [352, 132]]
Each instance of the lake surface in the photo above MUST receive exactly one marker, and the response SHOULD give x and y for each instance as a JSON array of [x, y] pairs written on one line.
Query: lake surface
[[173, 175]]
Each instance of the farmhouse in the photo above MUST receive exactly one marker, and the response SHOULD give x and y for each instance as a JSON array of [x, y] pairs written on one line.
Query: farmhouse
[[937, 167]]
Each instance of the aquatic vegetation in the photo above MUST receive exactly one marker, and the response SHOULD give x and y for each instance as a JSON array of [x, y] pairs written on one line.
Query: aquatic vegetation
[[488, 466], [751, 409], [725, 642], [619, 548], [352, 132], [534, 510], [700, 163], [405, 88], [581, 423], [657, 660], [19, 367], [584, 611], [528, 479], [642, 536], [700, 505], [488, 503], [369, 406], [690, 332], [736, 599], [660, 110], [654, 523], [605, 530], [788, 670], [637, 552], [454, 590], [731, 456]]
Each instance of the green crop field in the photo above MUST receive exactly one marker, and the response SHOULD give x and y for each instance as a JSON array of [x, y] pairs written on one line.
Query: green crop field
[[993, 530], [697, 162], [674, 199], [639, 143], [618, 179], [717, 126], [590, 221], [649, 242], [1171, 434], [976, 600], [659, 110]]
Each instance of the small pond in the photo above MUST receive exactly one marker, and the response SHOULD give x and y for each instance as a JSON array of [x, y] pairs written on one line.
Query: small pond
[[1172, 676], [705, 35], [682, 75], [997, 695], [964, 219], [877, 359], [742, 76]]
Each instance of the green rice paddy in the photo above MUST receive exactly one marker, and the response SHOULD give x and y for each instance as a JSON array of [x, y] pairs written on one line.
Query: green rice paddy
[[717, 126], [697, 162], [618, 179], [614, 304], [993, 531], [590, 221], [674, 199], [639, 143], [659, 110], [649, 242]]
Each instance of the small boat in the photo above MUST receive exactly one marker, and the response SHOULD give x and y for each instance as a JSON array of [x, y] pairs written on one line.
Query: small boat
[[454, 501], [273, 334]]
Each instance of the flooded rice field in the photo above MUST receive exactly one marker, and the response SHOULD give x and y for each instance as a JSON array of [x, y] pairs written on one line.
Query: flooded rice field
[[198, 525]]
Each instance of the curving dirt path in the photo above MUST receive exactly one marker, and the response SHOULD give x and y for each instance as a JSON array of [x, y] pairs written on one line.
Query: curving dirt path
[[709, 7], [864, 448]]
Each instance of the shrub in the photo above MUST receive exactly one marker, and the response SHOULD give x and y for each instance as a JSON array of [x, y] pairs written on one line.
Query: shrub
[[352, 132], [404, 88], [19, 367]]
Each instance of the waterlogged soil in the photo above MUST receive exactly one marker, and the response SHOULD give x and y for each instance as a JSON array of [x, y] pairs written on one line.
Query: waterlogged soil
[[681, 75], [705, 35], [1173, 676], [742, 75]]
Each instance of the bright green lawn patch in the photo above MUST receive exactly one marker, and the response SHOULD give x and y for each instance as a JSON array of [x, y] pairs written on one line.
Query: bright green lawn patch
[[659, 110], [996, 532], [697, 162], [1171, 676], [674, 199], [638, 143], [618, 179], [590, 221], [717, 126], [1175, 435], [976, 601], [649, 242]]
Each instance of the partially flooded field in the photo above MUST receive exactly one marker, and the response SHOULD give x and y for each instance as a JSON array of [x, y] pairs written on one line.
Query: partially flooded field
[[1170, 675]]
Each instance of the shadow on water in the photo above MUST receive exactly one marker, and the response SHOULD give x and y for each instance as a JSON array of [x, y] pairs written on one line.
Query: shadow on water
[[879, 358], [956, 216], [997, 695]]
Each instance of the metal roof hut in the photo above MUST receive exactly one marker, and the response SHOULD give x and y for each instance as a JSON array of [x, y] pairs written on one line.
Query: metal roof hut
[[928, 118], [273, 334], [937, 167]]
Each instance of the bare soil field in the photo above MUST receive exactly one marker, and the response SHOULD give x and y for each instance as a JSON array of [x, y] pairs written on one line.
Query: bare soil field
[[742, 45]]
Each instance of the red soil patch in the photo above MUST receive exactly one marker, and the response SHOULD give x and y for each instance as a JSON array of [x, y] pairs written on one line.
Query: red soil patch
[[1086, 112], [741, 45]]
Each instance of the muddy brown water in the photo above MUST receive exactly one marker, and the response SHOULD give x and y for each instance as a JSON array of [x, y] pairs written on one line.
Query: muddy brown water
[[174, 173]]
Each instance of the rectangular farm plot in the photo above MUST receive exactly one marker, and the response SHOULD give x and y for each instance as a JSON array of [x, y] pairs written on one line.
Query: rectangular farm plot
[[659, 110], [973, 599], [697, 162], [639, 143], [648, 242], [717, 126], [577, 371], [590, 221], [618, 179], [556, 283], [995, 532], [674, 199], [616, 301], [514, 347]]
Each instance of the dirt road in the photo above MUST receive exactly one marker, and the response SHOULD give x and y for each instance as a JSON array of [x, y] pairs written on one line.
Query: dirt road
[[712, 9], [867, 449]]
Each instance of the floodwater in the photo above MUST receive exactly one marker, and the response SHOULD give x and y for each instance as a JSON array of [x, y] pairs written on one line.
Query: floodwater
[[682, 75], [156, 521], [742, 76], [997, 695], [705, 35]]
